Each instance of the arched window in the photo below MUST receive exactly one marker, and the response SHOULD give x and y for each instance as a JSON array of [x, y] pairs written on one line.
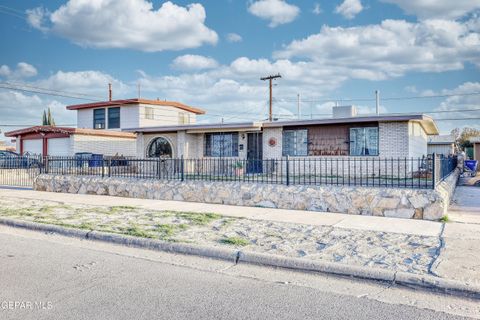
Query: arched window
[[159, 148]]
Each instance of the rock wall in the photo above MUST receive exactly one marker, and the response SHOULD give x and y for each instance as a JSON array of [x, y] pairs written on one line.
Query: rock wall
[[388, 202]]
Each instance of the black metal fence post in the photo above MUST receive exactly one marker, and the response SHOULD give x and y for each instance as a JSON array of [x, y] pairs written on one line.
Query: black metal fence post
[[434, 171], [288, 171], [109, 161], [46, 165], [182, 168], [103, 168]]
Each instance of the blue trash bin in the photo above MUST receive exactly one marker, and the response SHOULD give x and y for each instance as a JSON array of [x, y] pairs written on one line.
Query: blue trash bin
[[96, 160], [82, 158]]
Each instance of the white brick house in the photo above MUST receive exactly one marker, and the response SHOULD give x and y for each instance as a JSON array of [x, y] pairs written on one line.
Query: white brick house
[[62, 141], [386, 136]]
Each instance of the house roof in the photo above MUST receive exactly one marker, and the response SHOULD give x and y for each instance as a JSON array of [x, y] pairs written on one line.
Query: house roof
[[441, 139], [136, 101], [69, 131], [475, 140], [193, 128], [427, 122]]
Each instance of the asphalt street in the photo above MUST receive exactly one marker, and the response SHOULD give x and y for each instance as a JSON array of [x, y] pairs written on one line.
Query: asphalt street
[[72, 279]]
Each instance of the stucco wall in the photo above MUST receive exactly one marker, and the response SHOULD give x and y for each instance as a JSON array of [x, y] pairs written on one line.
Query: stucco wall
[[387, 202], [162, 116], [417, 140], [147, 138], [129, 117]]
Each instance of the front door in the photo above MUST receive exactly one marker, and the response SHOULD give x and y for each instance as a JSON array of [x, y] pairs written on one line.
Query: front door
[[254, 152]]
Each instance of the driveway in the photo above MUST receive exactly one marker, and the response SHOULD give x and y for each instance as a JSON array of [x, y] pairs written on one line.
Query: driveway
[[465, 206]]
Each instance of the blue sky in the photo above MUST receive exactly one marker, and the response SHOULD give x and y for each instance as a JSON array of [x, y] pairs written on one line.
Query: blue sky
[[212, 53]]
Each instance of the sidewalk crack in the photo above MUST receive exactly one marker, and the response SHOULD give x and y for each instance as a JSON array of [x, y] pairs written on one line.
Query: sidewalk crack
[[435, 260]]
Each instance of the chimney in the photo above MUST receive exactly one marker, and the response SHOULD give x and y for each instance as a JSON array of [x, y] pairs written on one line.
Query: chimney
[[109, 92], [377, 102], [344, 111]]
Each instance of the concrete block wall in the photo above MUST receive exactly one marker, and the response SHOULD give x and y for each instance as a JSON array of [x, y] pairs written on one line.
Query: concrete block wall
[[109, 146], [393, 139], [272, 152]]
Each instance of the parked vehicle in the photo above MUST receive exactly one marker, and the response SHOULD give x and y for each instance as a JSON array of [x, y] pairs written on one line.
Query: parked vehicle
[[12, 160]]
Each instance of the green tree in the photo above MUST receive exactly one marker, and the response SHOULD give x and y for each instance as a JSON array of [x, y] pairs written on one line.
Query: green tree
[[47, 118], [463, 136]]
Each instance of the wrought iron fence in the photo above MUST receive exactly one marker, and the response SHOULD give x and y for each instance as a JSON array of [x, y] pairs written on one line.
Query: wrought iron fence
[[19, 171], [423, 173], [444, 166]]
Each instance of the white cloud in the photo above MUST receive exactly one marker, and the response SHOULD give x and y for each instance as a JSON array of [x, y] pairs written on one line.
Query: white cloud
[[22, 71], [277, 11], [447, 9], [234, 37], [349, 8], [317, 9], [25, 109], [132, 24], [37, 18], [459, 102], [390, 49], [94, 83], [194, 62]]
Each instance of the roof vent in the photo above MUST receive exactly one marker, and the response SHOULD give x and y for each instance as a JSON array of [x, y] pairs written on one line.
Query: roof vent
[[344, 112]]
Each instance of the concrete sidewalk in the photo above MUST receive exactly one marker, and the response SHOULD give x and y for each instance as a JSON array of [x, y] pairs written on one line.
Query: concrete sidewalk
[[370, 223]]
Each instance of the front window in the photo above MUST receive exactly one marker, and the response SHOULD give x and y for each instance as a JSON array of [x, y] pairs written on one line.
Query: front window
[[160, 148], [364, 141], [183, 118], [149, 113], [99, 118], [221, 144], [295, 142], [113, 118]]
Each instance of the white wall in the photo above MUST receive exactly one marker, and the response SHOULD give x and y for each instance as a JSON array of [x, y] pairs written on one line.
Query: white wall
[[85, 118], [108, 146], [445, 149], [133, 116], [417, 140], [162, 116]]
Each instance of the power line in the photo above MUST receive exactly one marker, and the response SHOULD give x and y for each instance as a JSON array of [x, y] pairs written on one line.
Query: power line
[[17, 84], [387, 98]]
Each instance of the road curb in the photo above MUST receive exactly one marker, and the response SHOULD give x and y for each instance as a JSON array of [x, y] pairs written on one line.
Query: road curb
[[237, 256]]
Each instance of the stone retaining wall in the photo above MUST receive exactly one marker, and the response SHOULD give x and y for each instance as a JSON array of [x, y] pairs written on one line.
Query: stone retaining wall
[[388, 202]]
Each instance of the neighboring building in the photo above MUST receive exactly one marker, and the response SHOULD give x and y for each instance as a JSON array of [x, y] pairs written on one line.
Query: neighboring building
[[100, 127], [60, 141], [133, 113], [476, 148], [441, 144]]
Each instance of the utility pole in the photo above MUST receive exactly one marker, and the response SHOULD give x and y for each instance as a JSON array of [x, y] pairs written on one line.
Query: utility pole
[[270, 78], [298, 106]]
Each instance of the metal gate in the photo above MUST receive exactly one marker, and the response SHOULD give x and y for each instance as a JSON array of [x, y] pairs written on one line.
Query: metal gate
[[19, 171]]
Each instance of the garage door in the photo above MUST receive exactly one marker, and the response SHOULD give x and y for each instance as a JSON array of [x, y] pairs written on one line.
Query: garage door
[[34, 146], [59, 147]]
